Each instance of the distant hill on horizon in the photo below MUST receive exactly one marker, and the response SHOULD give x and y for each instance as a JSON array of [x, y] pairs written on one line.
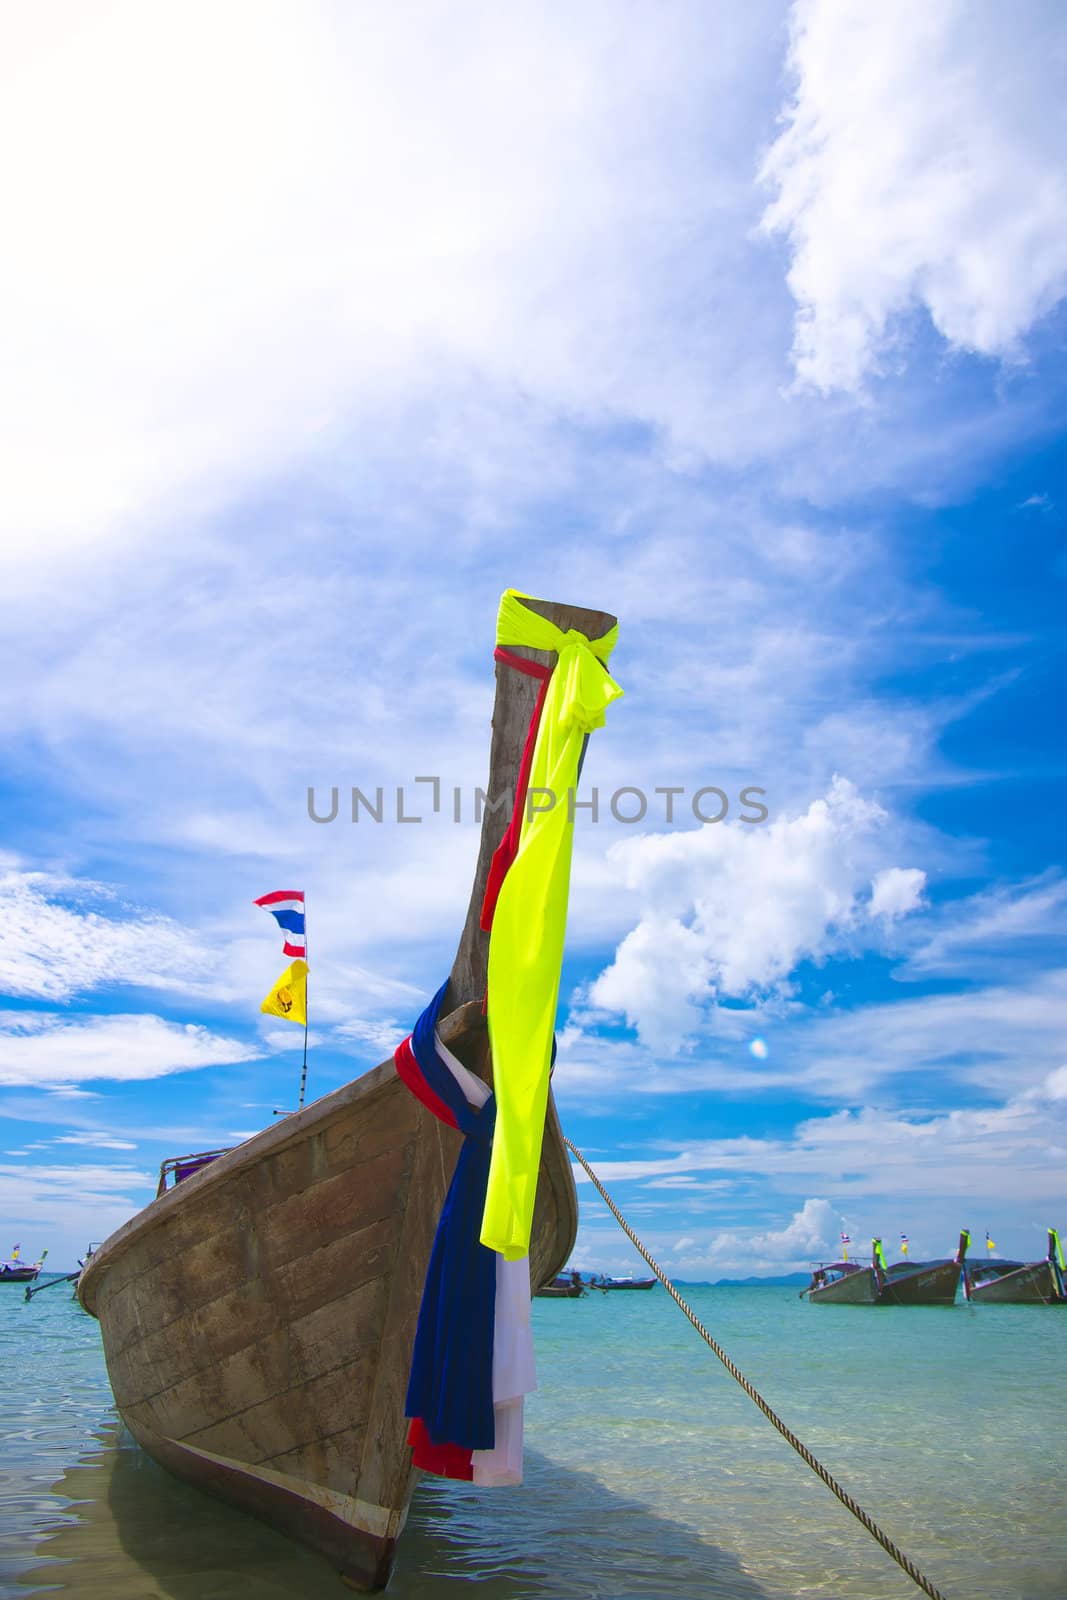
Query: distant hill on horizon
[[783, 1280]]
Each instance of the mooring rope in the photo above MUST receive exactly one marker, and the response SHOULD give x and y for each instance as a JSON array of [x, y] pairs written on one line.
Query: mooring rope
[[887, 1544]]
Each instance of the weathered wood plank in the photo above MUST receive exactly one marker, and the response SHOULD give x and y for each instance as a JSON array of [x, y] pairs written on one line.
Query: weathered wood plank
[[269, 1429]]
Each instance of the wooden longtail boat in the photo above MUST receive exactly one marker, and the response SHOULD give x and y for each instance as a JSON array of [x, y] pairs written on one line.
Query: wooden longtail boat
[[17, 1274], [845, 1283], [924, 1283], [1033, 1283], [258, 1317], [18, 1271], [905, 1283], [842, 1283]]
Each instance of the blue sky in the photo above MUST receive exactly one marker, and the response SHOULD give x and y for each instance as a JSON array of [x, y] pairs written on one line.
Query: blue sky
[[746, 324]]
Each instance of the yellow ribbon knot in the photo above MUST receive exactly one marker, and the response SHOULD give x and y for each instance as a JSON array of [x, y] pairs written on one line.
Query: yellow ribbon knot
[[529, 924]]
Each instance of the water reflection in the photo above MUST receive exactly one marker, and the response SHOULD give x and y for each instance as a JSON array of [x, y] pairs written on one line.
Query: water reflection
[[132, 1532]]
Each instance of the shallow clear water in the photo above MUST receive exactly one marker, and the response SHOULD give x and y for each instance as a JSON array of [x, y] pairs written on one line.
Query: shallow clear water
[[649, 1473]]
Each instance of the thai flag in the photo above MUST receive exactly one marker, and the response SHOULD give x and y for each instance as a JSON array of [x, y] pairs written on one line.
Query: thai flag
[[846, 1238], [286, 906]]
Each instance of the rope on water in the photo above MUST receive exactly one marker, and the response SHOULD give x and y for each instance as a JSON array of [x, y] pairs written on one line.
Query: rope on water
[[903, 1561]]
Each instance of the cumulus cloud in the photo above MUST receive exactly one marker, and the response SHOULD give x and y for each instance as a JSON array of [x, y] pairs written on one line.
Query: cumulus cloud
[[730, 911], [922, 165], [37, 1049], [809, 1233], [895, 891]]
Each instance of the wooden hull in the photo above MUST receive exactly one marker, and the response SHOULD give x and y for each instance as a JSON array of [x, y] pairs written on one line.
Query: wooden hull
[[552, 1292], [18, 1274], [933, 1284], [854, 1289], [258, 1320], [1035, 1284]]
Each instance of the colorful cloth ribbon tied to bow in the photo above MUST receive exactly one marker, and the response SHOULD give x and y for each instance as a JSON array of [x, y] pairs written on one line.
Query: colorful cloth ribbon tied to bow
[[473, 1359], [473, 1355], [530, 916]]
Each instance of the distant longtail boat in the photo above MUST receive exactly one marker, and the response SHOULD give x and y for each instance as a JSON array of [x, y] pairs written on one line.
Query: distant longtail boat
[[905, 1283], [15, 1270], [924, 1283], [844, 1283], [258, 1316], [1034, 1283]]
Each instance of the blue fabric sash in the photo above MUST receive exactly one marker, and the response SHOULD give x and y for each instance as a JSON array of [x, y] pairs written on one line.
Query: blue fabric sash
[[451, 1384]]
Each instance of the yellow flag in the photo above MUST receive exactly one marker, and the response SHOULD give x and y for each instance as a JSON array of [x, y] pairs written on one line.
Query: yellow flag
[[288, 998], [526, 943]]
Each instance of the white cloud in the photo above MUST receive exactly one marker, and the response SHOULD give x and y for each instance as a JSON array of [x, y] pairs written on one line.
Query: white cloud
[[38, 1049], [81, 1178], [380, 1037], [62, 1208], [810, 1232], [94, 1141], [335, 225], [873, 1166], [1055, 1085], [1017, 922], [998, 1039], [923, 165], [896, 891], [50, 950], [729, 911]]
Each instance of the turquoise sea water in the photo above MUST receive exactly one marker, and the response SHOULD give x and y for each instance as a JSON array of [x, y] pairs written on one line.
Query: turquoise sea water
[[649, 1473]]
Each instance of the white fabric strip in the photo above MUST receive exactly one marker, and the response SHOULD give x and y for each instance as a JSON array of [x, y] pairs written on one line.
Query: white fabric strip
[[514, 1369]]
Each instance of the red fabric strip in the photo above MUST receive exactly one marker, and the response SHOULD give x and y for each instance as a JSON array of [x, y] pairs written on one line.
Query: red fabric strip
[[532, 669], [409, 1071], [508, 848], [447, 1460]]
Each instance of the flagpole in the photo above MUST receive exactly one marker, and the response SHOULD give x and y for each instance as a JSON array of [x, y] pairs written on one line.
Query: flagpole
[[304, 1068]]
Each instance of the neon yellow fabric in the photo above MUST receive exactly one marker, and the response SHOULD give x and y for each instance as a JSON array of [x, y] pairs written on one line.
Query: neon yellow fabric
[[879, 1255], [1057, 1247], [529, 924], [288, 998]]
